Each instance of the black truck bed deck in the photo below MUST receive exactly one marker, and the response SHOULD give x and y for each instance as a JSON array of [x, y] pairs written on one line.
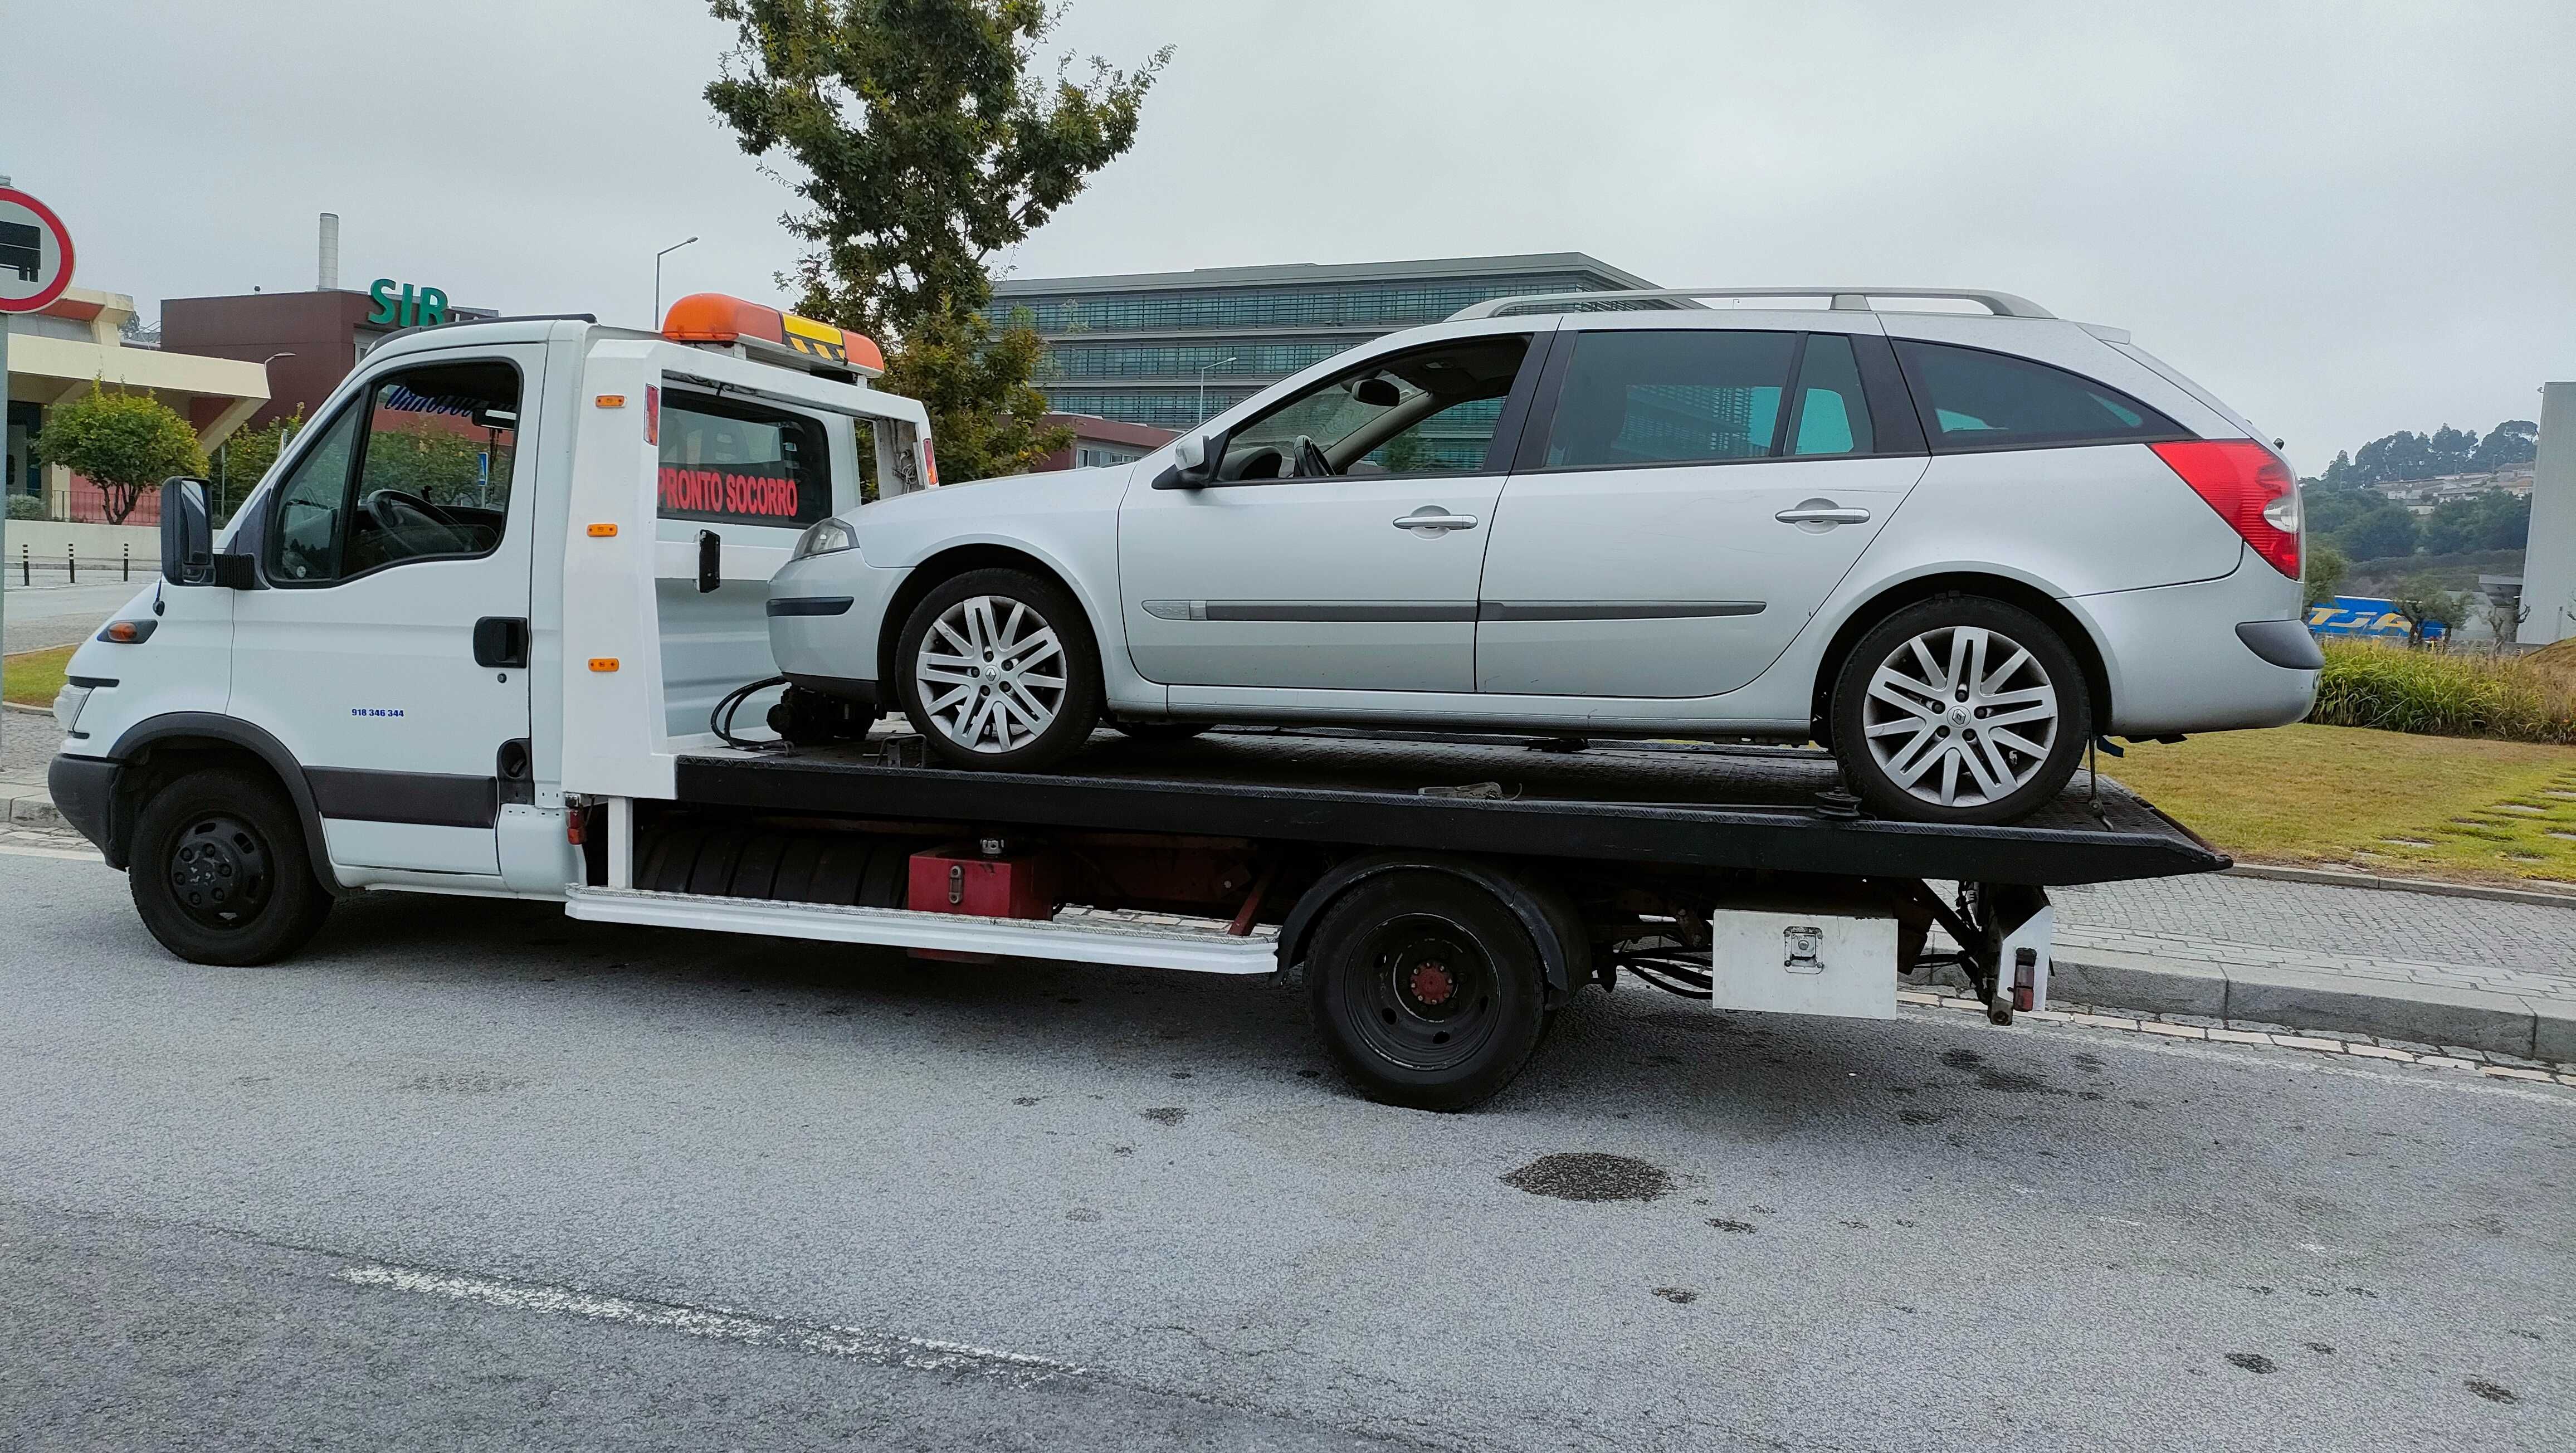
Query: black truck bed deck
[[1721, 807]]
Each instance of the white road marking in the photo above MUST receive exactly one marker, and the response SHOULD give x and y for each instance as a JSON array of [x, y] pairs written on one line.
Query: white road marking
[[884, 1349]]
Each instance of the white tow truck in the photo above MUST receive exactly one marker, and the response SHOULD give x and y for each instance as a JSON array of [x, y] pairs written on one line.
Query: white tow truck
[[486, 628]]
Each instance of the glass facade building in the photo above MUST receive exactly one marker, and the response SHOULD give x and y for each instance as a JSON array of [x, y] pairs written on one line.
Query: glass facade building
[[1171, 349]]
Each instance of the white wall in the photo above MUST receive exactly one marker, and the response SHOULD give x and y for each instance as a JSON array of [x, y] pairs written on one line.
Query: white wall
[[45, 539], [2549, 566]]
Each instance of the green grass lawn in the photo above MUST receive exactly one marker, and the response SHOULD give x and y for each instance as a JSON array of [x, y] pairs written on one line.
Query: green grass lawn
[[33, 678], [2372, 801]]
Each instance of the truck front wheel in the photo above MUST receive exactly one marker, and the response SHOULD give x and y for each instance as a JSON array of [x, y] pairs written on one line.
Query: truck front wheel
[[1427, 991], [219, 872]]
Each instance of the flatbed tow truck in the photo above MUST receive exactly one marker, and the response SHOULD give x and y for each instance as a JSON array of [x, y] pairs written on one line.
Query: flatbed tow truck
[[238, 748]]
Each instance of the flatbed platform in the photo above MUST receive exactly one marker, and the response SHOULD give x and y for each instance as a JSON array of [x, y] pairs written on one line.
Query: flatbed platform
[[1670, 803]]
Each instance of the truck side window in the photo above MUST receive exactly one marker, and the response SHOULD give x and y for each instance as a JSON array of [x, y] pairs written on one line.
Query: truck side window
[[418, 470]]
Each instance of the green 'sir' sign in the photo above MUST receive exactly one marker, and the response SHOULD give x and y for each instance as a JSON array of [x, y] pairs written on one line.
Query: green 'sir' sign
[[413, 307]]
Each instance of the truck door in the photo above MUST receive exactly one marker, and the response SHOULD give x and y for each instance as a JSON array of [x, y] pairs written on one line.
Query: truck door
[[389, 649]]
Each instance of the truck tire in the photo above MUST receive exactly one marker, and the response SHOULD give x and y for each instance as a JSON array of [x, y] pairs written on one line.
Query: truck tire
[[1990, 746], [997, 670], [1426, 990], [219, 871]]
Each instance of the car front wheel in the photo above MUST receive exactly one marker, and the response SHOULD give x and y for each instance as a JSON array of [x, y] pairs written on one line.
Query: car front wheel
[[998, 671], [1960, 709]]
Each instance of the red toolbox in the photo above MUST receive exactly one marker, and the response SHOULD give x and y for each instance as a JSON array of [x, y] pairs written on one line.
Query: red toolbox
[[983, 880]]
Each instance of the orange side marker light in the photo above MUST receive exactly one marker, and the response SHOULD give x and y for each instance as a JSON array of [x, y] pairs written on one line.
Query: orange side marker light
[[610, 401], [602, 531], [603, 663]]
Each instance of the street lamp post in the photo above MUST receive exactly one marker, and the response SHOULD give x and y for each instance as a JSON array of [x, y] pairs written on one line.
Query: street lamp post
[[657, 276], [1203, 373]]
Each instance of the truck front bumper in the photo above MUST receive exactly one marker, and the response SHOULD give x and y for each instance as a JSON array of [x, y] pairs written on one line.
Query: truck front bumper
[[84, 791]]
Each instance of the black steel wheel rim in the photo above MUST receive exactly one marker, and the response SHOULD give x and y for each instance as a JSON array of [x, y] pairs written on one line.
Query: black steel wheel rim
[[219, 872], [1420, 993]]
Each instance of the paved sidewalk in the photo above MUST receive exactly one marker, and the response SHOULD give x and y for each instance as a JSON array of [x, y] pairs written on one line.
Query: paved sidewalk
[[2353, 924]]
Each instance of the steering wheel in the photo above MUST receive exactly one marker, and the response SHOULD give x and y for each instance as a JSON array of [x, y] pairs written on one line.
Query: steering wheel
[[1311, 462], [387, 508]]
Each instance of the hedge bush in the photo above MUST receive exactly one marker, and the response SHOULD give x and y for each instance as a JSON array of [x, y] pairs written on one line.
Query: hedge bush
[[2441, 693]]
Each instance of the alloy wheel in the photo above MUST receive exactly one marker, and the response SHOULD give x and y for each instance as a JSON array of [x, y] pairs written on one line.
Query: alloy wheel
[[1960, 716], [991, 673]]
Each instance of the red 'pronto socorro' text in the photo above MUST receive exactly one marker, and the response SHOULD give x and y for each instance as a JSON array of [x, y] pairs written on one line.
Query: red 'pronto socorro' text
[[721, 491]]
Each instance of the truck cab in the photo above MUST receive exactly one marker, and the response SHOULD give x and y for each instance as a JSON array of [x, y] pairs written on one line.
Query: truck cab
[[494, 539]]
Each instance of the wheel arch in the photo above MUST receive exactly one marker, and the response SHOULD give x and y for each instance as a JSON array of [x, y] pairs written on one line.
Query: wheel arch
[[956, 560], [1554, 925], [2052, 612], [159, 750]]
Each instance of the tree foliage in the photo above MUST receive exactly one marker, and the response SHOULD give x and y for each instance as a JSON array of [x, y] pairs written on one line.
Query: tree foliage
[[2423, 602], [122, 442], [2326, 569], [2405, 455], [927, 139], [2379, 532]]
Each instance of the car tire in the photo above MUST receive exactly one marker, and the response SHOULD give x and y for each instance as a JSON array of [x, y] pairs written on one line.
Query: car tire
[[1980, 712], [1426, 990], [1160, 731], [219, 871], [974, 633]]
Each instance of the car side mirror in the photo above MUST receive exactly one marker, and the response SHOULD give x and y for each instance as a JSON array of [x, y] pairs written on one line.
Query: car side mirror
[[187, 533], [1194, 462], [1376, 392]]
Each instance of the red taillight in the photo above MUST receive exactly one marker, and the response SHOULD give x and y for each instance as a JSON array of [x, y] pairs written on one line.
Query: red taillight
[[2249, 486]]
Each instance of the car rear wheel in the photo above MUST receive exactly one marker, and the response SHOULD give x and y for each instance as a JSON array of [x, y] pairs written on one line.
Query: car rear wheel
[[1960, 709], [998, 670], [219, 873]]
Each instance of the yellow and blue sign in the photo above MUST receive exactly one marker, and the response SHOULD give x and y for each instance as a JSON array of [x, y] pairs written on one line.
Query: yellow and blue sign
[[2363, 615]]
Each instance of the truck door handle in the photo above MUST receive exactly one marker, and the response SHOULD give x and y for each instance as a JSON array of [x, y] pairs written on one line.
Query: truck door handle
[[1434, 521], [501, 641], [1822, 512]]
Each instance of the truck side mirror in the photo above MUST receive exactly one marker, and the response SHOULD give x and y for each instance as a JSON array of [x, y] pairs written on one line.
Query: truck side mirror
[[187, 533], [1194, 462]]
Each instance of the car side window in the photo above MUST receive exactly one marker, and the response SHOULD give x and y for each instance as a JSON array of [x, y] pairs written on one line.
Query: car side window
[[1669, 396], [419, 469], [1831, 416], [1972, 399], [1429, 411]]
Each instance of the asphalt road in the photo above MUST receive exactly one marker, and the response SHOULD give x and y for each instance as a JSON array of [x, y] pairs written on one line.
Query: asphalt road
[[469, 1175], [57, 614]]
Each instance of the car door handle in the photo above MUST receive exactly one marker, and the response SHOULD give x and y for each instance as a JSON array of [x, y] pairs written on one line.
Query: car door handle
[[1822, 512], [1433, 520]]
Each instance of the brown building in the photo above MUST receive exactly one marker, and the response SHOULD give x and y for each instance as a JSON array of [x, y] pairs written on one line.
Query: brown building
[[1098, 441], [326, 332]]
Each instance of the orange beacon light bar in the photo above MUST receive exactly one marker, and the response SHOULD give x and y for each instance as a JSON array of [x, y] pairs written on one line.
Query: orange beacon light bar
[[716, 318]]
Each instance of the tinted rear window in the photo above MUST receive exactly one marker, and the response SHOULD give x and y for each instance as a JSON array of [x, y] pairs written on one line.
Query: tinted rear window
[[1667, 396], [1972, 399], [740, 463]]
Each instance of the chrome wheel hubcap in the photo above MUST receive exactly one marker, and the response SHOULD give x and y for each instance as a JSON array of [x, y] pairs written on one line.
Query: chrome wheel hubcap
[[1960, 716], [991, 674]]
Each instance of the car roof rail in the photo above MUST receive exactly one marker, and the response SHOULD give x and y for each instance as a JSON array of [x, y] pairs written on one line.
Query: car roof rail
[[1845, 299]]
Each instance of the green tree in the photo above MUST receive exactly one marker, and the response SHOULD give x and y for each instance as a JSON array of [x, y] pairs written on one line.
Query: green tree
[[2326, 569], [122, 442], [246, 457], [2423, 602], [2381, 533], [928, 138]]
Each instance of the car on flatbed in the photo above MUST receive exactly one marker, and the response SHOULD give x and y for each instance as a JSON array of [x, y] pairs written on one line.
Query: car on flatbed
[[1954, 548], [496, 626]]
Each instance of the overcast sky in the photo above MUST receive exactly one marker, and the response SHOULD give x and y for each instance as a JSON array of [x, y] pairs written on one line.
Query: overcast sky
[[2345, 219]]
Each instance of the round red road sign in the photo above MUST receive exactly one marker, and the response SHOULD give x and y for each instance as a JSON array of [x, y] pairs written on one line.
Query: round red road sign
[[35, 253]]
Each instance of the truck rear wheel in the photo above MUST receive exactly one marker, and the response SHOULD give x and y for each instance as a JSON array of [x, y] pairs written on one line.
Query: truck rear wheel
[[1427, 991], [219, 873]]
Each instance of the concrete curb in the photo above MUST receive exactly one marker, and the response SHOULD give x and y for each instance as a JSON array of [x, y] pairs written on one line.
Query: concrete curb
[[2332, 878], [2499, 1023]]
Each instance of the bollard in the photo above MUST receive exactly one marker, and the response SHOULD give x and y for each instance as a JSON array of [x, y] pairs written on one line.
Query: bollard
[[26, 568], [127, 564], [71, 565]]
